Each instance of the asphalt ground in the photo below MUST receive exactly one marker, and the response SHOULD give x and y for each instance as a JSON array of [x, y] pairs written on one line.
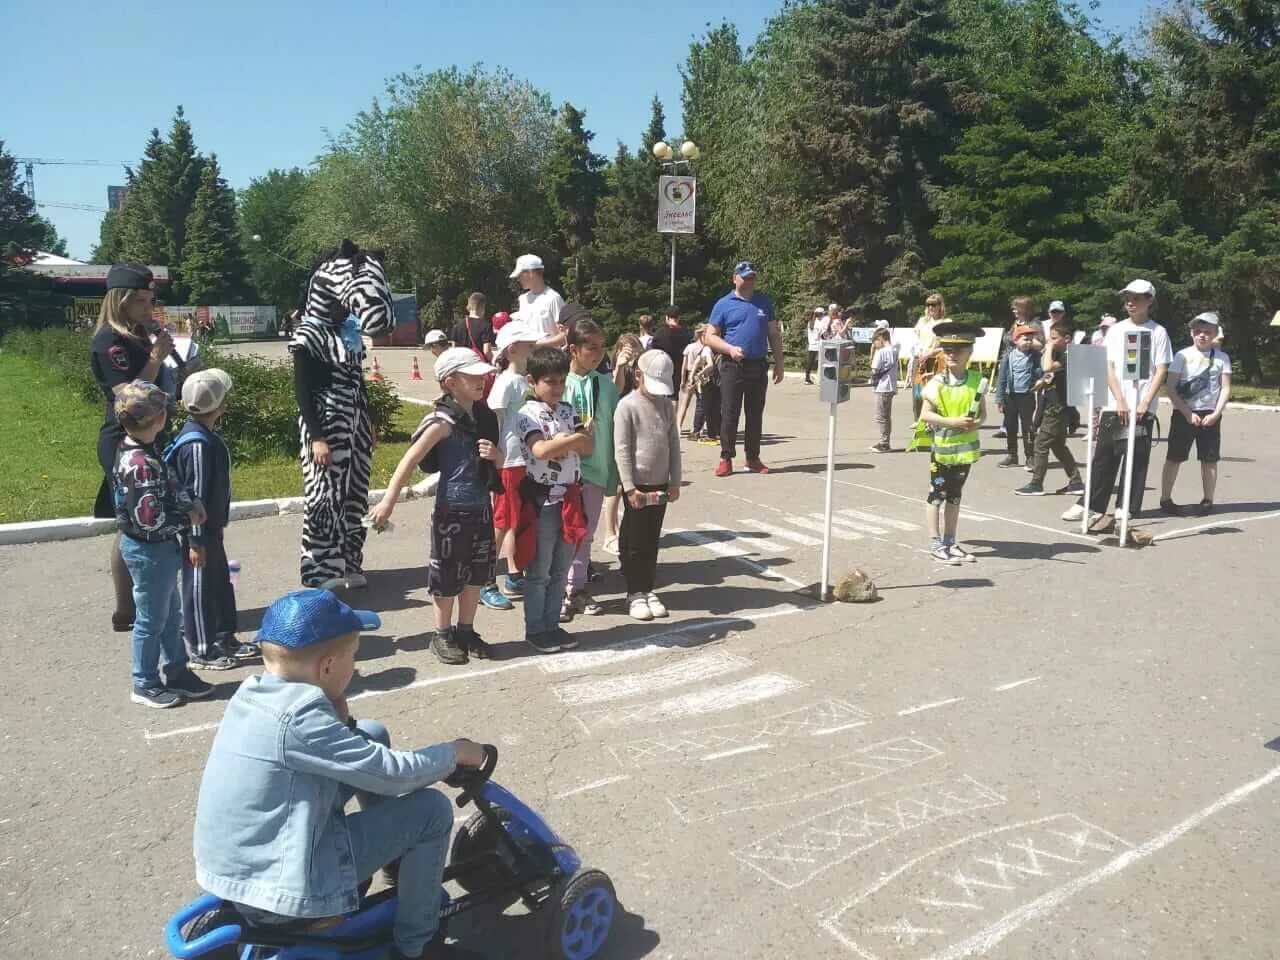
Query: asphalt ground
[[1060, 750]]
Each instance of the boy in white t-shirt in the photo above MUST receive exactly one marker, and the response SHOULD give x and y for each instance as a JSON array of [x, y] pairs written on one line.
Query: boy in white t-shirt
[[1126, 398], [1199, 386], [539, 306], [515, 344]]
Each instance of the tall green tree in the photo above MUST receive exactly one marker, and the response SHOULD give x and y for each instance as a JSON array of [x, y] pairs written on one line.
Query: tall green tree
[[213, 267], [575, 182], [1046, 105], [271, 208], [447, 176], [25, 297]]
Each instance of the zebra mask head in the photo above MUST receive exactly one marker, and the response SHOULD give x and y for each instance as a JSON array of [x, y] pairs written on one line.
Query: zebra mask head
[[351, 282]]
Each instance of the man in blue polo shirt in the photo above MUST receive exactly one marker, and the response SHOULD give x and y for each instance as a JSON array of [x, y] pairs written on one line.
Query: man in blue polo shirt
[[743, 330]]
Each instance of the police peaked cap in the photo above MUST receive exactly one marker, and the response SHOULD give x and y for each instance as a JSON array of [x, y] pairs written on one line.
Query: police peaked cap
[[129, 276], [953, 334]]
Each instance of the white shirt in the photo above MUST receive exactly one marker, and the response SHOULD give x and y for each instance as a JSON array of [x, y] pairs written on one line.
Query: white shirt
[[817, 330], [541, 311], [506, 398], [1190, 363], [540, 421], [1161, 353]]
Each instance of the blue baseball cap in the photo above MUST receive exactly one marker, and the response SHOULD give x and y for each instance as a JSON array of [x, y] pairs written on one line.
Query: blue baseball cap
[[305, 617], [745, 269]]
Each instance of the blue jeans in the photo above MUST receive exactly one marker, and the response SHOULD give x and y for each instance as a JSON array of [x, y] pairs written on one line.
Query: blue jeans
[[544, 582], [157, 625]]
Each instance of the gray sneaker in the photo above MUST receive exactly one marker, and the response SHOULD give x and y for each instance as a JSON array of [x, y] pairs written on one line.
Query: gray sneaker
[[447, 649], [212, 663], [157, 697]]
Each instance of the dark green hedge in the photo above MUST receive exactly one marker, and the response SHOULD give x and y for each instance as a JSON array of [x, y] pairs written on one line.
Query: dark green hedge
[[262, 418]]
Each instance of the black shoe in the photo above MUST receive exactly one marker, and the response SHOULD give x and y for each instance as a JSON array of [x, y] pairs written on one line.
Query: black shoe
[[189, 685], [470, 641], [544, 642], [241, 651], [564, 638], [1010, 461], [1170, 509], [216, 662], [1074, 487], [447, 649], [157, 697], [1032, 489], [1204, 508], [121, 624]]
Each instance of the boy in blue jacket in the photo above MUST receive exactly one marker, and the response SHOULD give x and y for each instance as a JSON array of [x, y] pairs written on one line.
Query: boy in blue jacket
[[202, 464], [271, 835], [1020, 371]]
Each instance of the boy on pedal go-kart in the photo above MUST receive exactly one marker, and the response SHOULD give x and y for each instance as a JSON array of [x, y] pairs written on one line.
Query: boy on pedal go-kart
[[271, 836]]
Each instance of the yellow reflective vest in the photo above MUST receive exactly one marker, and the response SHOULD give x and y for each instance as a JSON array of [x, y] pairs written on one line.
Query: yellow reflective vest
[[954, 400]]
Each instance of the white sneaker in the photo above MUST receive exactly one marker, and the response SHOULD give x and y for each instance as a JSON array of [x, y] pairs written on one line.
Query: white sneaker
[[333, 583], [1073, 512], [656, 606], [956, 552], [1120, 514], [639, 606], [356, 580]]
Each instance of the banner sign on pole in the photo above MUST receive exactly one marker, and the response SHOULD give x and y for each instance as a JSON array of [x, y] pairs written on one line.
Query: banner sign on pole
[[677, 198]]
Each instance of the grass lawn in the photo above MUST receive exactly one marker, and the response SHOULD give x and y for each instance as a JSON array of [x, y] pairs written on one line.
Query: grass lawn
[[49, 436]]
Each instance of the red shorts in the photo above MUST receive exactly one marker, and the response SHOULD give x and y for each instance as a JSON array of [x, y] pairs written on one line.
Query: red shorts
[[506, 505]]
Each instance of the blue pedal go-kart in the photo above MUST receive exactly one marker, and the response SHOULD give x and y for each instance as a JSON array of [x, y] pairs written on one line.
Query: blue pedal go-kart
[[503, 853]]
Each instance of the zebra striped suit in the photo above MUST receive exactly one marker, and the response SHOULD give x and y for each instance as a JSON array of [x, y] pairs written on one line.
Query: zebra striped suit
[[350, 283]]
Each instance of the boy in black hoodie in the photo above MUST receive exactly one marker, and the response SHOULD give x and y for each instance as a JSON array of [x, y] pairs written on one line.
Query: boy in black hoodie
[[202, 464]]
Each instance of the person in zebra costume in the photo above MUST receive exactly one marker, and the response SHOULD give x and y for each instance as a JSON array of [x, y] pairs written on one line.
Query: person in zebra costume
[[346, 296]]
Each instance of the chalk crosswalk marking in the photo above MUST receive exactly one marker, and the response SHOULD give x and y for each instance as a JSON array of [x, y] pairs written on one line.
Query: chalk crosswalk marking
[[698, 539], [677, 674], [716, 699], [860, 525], [752, 544], [839, 533], [776, 531], [879, 520]]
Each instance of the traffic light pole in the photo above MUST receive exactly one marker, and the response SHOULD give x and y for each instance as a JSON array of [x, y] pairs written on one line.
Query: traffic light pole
[[824, 593], [672, 301]]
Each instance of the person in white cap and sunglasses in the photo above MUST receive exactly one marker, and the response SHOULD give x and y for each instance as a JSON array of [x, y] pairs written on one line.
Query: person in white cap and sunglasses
[[459, 440], [538, 304], [646, 446], [1199, 386], [1125, 399]]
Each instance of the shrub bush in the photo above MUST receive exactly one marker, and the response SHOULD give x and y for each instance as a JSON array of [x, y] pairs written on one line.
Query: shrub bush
[[262, 416]]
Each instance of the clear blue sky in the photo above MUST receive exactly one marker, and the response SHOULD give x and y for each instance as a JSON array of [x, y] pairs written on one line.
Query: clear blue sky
[[261, 81]]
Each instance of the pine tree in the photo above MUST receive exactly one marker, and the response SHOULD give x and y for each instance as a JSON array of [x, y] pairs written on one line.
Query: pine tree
[[25, 297], [866, 122], [213, 266], [574, 184], [1038, 152]]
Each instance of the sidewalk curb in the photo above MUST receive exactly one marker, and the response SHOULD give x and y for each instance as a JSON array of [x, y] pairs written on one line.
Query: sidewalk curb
[[75, 528]]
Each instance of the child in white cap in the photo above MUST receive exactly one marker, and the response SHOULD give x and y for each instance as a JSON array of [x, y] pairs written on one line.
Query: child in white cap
[[1199, 386]]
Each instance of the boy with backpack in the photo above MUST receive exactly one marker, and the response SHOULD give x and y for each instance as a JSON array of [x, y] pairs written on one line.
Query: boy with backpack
[[202, 465], [459, 440], [1199, 386]]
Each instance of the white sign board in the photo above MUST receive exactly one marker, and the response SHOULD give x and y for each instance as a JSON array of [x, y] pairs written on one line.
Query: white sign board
[[1086, 370], [677, 198]]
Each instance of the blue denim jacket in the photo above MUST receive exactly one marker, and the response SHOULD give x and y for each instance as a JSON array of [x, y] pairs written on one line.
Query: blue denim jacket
[[270, 830]]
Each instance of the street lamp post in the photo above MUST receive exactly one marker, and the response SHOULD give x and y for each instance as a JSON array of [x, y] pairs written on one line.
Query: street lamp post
[[257, 238], [689, 152]]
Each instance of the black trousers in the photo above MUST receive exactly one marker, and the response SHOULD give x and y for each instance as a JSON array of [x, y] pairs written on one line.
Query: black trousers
[[208, 600], [638, 537], [706, 410], [742, 385], [1108, 461], [1019, 412], [810, 363]]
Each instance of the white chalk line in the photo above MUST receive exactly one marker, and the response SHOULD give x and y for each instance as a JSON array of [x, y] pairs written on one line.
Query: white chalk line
[[704, 625], [732, 553], [1186, 531], [777, 531], [593, 785], [735, 751], [716, 699], [1041, 906], [928, 706], [1017, 683], [862, 526], [760, 545], [827, 731], [678, 673]]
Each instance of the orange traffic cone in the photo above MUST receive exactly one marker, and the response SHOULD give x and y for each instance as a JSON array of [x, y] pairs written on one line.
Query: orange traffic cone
[[376, 375], [415, 373]]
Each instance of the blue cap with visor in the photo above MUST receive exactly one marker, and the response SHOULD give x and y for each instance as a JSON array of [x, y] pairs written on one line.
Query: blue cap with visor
[[306, 617]]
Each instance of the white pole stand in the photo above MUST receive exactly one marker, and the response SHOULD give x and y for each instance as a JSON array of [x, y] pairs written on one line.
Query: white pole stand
[[824, 593], [1088, 460], [673, 270], [1128, 478]]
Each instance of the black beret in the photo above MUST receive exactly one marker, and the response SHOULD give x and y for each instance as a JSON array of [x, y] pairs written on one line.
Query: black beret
[[129, 276]]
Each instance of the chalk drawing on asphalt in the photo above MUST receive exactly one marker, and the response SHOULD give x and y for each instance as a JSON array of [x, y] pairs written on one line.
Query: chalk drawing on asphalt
[[715, 699]]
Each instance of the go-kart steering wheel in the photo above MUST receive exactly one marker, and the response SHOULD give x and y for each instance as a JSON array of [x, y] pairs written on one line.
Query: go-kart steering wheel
[[470, 779]]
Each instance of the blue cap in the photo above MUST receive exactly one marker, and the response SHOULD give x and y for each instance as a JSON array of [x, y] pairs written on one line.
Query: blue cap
[[745, 269], [305, 617]]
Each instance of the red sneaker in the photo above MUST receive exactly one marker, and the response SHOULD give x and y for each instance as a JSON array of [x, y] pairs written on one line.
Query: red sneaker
[[724, 468], [756, 466]]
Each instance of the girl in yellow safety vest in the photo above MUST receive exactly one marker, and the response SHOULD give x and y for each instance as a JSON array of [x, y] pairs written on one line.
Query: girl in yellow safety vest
[[954, 407]]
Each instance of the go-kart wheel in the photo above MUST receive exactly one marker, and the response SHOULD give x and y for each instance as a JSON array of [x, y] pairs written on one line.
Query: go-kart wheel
[[580, 916], [211, 921]]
